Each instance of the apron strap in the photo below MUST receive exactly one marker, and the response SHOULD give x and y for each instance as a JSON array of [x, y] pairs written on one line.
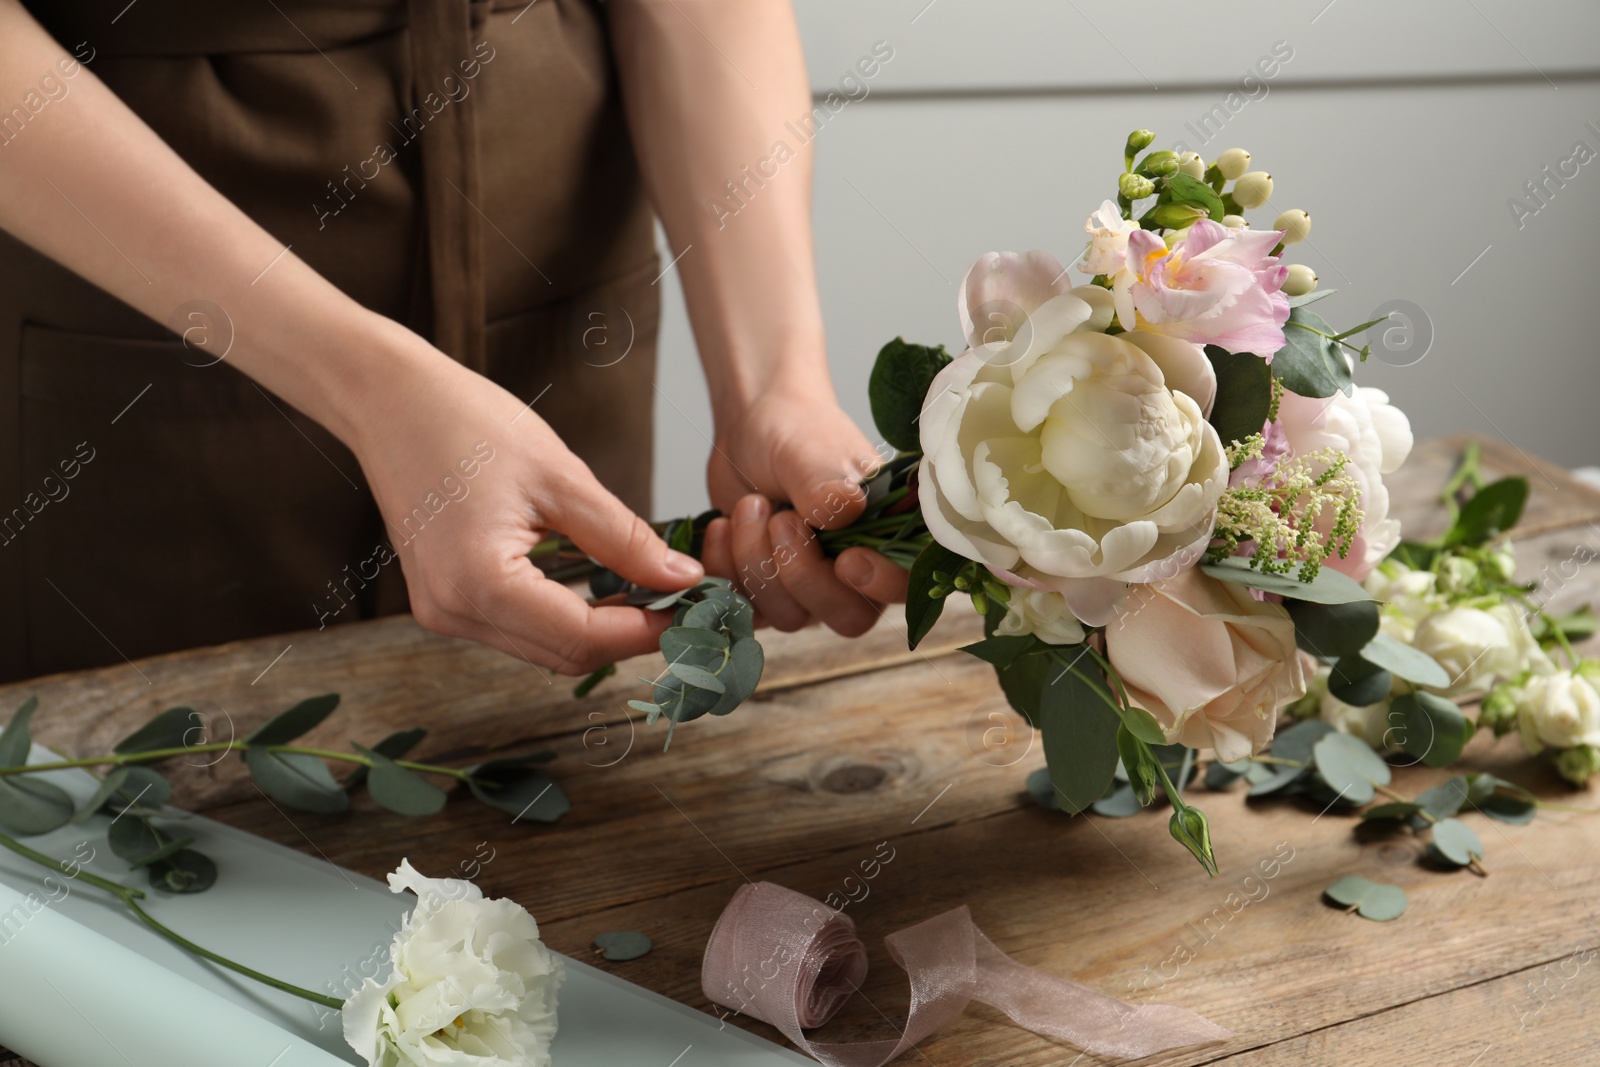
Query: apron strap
[[441, 36]]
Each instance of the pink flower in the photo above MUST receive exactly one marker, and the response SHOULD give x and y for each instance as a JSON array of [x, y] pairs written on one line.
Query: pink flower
[[1216, 286], [1209, 661]]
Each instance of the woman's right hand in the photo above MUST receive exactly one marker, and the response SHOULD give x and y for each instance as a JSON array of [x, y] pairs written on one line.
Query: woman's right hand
[[436, 431]]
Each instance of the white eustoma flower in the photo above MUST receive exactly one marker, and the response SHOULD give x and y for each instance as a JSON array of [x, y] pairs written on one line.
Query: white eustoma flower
[[472, 984], [1063, 458], [1561, 710], [1042, 613]]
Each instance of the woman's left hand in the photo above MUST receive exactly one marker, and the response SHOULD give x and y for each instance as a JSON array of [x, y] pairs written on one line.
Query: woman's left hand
[[803, 449]]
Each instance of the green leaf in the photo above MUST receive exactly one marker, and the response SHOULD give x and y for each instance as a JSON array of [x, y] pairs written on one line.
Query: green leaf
[[514, 787], [1333, 630], [1501, 800], [398, 789], [170, 729], [1139, 765], [1297, 743], [746, 660], [1371, 900], [298, 720], [1430, 728], [1185, 189], [1310, 363], [186, 871], [1080, 738], [1023, 684], [143, 786], [897, 387], [33, 806], [1244, 393], [1329, 586], [1350, 768], [1141, 724], [1403, 661], [1310, 298], [1220, 775], [1001, 650], [1445, 799], [108, 785], [680, 535], [1493, 510], [1359, 683], [137, 841], [1395, 809], [395, 746], [1454, 841], [16, 741], [922, 610], [689, 644], [698, 677], [592, 679], [619, 946], [296, 779], [1040, 789], [1120, 803]]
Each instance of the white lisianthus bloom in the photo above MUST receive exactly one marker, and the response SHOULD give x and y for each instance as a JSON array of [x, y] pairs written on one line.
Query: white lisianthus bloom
[[1063, 458], [1477, 645], [1376, 436], [1042, 613], [472, 984], [1561, 710], [1108, 231]]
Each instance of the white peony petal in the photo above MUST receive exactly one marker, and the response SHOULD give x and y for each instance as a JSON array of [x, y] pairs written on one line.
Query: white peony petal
[[1183, 364], [1102, 303], [1001, 288]]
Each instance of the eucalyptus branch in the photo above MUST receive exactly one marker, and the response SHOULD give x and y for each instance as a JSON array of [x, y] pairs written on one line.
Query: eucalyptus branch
[[156, 755]]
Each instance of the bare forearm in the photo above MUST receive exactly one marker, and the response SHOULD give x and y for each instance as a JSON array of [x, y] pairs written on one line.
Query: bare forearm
[[712, 89], [91, 186]]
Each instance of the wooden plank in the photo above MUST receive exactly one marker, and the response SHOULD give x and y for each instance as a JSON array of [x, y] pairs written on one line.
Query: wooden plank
[[1556, 499]]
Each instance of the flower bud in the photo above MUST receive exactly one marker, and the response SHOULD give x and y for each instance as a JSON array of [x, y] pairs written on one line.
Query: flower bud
[[1498, 711], [1501, 564], [1177, 216], [1295, 224], [1253, 189], [1578, 765], [1191, 164], [1233, 163], [1190, 829], [1300, 280], [1135, 186], [1235, 222], [1173, 238], [1139, 140], [1457, 575], [1158, 164]]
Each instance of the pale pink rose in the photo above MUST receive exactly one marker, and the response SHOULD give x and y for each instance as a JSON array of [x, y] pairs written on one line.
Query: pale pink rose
[[1377, 437], [1210, 662], [1216, 286], [1108, 232]]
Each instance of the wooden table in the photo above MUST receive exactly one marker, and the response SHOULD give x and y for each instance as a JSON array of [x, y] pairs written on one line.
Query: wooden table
[[856, 748]]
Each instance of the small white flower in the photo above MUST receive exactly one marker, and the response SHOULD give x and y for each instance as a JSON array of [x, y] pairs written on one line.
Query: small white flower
[[472, 984], [1477, 645], [1042, 613], [1108, 231], [1561, 710]]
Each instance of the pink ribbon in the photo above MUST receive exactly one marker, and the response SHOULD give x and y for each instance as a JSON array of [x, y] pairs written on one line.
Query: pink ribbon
[[786, 959]]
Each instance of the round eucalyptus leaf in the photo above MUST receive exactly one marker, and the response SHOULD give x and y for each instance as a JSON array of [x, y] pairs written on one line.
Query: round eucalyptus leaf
[[1119, 803], [1371, 900], [741, 675], [1403, 661], [16, 740], [33, 806], [1445, 799], [143, 787], [1221, 775], [1430, 727], [1358, 682], [187, 871], [619, 946], [1398, 809], [1297, 742], [1350, 768], [1041, 791], [698, 677], [1456, 842], [1332, 631]]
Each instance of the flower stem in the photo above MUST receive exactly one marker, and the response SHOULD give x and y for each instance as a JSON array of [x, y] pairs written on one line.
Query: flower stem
[[131, 897], [155, 755]]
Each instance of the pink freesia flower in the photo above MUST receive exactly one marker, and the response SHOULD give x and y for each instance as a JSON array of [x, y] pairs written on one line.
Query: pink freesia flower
[[1216, 286]]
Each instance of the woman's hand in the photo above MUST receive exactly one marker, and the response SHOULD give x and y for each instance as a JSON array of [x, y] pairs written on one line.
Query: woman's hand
[[468, 478], [802, 448]]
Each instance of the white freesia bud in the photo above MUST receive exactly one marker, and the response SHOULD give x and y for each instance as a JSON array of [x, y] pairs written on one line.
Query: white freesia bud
[[1042, 613], [1233, 163], [472, 983], [1300, 280], [1191, 164], [1236, 222], [1295, 224], [1253, 189], [1561, 710]]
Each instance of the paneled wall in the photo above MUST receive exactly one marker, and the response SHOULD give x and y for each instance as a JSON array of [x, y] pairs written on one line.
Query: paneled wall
[[1409, 130]]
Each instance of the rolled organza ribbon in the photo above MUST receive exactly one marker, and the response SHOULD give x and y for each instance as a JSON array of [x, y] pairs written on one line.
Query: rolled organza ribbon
[[786, 959]]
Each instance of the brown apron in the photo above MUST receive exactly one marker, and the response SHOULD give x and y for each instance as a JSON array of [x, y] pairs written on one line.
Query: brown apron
[[461, 167]]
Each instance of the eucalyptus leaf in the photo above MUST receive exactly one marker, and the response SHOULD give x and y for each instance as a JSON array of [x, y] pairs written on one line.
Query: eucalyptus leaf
[[1350, 768], [1039, 788], [298, 720], [619, 946], [1080, 739], [33, 806], [1299, 741], [144, 787], [16, 740], [1120, 803], [1329, 586], [1371, 900], [136, 839], [1244, 393], [1359, 683], [922, 609], [1445, 799], [698, 677], [186, 871], [514, 787], [1331, 631], [746, 660], [897, 387], [400, 790], [1221, 775], [1310, 363], [1403, 661], [1396, 809], [395, 746], [1310, 298], [170, 729], [1501, 800], [1430, 728], [1454, 841], [108, 785], [296, 779]]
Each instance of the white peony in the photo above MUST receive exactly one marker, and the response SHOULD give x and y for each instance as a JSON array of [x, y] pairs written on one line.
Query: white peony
[[1561, 710], [1107, 252], [1042, 613], [1377, 438], [472, 984], [1063, 458]]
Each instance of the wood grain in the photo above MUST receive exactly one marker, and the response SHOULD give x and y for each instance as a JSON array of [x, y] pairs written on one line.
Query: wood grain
[[852, 750]]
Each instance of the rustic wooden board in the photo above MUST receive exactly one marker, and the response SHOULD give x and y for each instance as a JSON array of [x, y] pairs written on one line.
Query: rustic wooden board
[[854, 748]]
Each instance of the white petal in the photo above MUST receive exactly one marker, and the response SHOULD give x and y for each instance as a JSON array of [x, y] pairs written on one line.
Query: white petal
[[1183, 364]]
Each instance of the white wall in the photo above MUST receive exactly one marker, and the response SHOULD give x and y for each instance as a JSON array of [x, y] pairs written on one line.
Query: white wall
[[1402, 127]]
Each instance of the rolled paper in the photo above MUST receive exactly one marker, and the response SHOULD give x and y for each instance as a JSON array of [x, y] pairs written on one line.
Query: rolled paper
[[788, 960]]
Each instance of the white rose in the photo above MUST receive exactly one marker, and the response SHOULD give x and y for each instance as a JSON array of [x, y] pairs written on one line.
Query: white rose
[[1406, 597], [1377, 438], [1061, 457], [472, 984], [1108, 231], [1042, 613], [1561, 710], [1476, 646]]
